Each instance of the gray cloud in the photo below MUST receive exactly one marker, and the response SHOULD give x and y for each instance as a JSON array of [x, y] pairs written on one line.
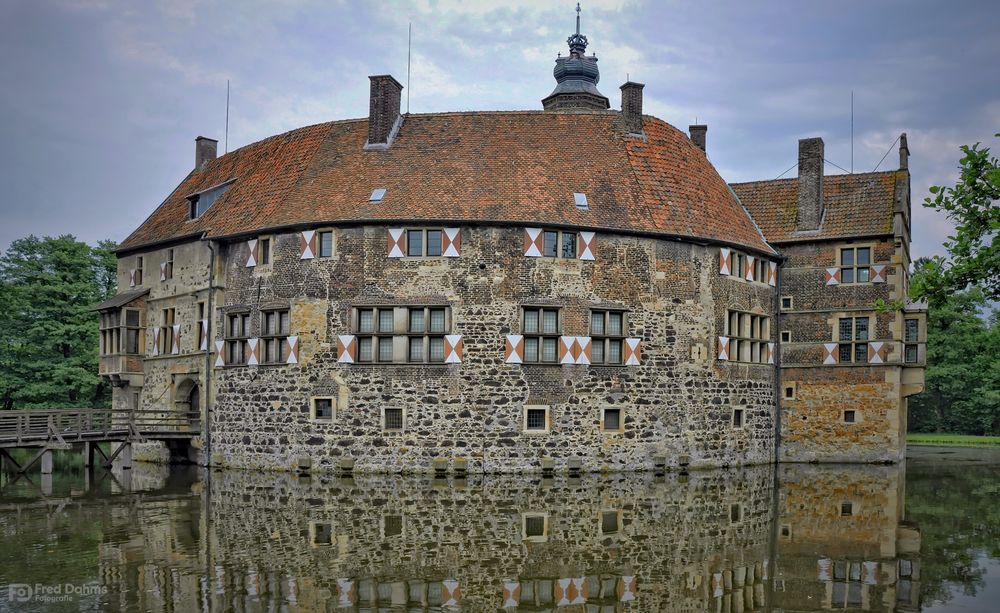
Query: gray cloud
[[103, 98]]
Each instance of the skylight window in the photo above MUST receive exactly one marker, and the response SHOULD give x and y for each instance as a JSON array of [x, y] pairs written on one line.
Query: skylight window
[[377, 195], [202, 201], [580, 200]]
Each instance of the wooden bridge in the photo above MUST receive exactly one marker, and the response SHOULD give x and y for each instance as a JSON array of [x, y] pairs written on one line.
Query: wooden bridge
[[48, 430]]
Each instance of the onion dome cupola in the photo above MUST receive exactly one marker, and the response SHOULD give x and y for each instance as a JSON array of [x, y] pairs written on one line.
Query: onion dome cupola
[[576, 78]]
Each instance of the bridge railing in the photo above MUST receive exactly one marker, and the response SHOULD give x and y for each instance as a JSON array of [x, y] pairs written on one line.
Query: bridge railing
[[27, 426]]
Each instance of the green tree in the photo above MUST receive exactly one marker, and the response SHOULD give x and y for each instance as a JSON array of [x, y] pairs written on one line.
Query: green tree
[[973, 204], [49, 342], [962, 382]]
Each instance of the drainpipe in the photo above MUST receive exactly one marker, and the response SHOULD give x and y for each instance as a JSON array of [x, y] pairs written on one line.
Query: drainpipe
[[209, 343]]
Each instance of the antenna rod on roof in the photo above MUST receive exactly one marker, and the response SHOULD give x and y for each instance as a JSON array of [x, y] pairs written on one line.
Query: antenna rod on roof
[[852, 131], [227, 116], [409, 38]]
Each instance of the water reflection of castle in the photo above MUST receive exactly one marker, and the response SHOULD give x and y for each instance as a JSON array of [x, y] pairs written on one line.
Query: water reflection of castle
[[712, 541]]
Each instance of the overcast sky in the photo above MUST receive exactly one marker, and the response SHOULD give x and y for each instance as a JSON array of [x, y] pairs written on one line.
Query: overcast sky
[[101, 99]]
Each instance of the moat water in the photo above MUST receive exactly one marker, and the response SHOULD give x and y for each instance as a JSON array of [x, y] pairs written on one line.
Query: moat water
[[919, 537]]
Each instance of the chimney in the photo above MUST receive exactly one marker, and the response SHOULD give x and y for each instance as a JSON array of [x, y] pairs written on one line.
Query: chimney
[[632, 106], [697, 134], [205, 150], [904, 153], [810, 184], [383, 111]]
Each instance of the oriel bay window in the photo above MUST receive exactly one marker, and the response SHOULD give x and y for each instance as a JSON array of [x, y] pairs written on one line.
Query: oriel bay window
[[748, 337], [852, 334], [274, 333], [237, 333], [607, 333], [911, 351], [854, 264], [541, 328], [120, 332], [413, 334]]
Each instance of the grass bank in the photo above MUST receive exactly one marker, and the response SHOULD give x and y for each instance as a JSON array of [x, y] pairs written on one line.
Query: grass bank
[[952, 440]]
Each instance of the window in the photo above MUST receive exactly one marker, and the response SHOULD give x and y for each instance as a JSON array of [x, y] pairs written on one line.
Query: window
[[423, 243], [392, 419], [611, 419], [326, 244], [536, 418], [558, 244], [168, 265], [392, 525], [850, 416], [541, 328], [846, 509], [735, 513], [535, 526], [420, 342], [274, 334], [201, 329], [911, 335], [786, 336], [263, 251], [322, 409], [610, 522], [854, 264], [741, 266], [789, 392], [580, 201], [607, 333], [738, 418], [237, 332], [167, 331], [322, 534], [748, 337], [426, 329], [201, 202], [786, 302], [138, 269], [377, 194], [120, 334], [853, 337], [132, 332], [786, 531]]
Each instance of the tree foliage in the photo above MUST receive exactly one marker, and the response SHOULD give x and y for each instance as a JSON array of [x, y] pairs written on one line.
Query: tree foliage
[[962, 381], [48, 333], [973, 204]]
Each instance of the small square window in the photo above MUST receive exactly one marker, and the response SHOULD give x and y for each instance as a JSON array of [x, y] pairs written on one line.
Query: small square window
[[322, 534], [611, 419], [735, 513], [786, 302], [392, 419], [392, 525], [610, 522], [738, 418], [850, 416], [322, 409], [536, 419], [786, 336], [846, 509], [789, 392], [535, 527], [786, 531]]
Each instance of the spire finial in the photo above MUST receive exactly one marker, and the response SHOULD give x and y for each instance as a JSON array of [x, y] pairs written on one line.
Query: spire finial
[[577, 42], [577, 18]]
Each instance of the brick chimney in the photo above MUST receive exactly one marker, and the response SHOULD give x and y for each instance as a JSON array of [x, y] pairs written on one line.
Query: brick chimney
[[810, 184], [205, 150], [383, 111], [697, 133], [904, 152], [632, 106]]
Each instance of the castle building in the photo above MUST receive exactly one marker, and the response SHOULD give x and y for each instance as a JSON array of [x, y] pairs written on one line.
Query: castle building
[[570, 288]]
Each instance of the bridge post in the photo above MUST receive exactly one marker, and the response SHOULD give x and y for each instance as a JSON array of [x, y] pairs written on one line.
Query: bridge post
[[46, 484], [47, 462], [88, 455], [126, 455]]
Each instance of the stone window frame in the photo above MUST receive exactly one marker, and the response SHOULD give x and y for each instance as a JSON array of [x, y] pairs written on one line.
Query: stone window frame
[[278, 338], [234, 340], [402, 525], [540, 336], [139, 262], [852, 508], [605, 339], [602, 516], [399, 338], [738, 417], [791, 303], [313, 533], [536, 407], [785, 532], [789, 388], [319, 242], [202, 316], [265, 252], [758, 344], [786, 336], [855, 268], [761, 267], [911, 344], [545, 526], [115, 332], [602, 423], [429, 338], [560, 244], [402, 420], [424, 242], [168, 264], [855, 414], [855, 346], [312, 409], [736, 513], [168, 317]]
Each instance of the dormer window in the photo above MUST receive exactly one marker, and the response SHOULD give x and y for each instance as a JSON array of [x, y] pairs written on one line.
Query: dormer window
[[201, 201]]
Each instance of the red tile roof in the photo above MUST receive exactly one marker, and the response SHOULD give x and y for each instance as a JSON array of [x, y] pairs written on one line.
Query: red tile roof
[[855, 205], [517, 167]]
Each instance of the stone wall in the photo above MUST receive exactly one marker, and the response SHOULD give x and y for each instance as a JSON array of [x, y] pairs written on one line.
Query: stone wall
[[678, 402]]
